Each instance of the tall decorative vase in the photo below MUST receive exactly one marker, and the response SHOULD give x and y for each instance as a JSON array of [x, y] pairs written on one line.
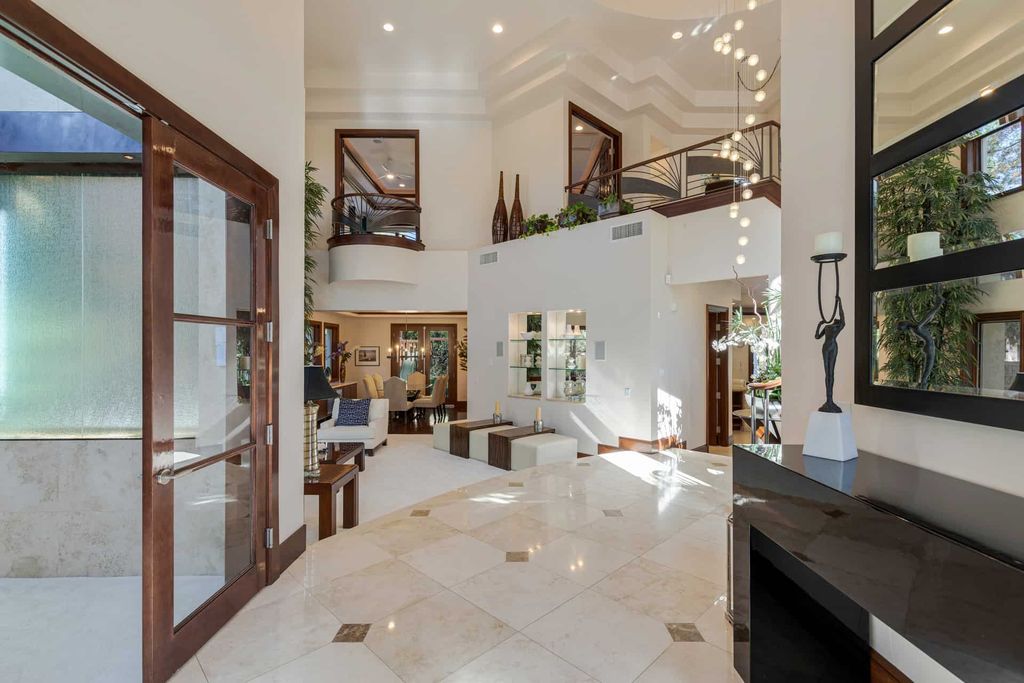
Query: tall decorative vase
[[499, 224], [515, 217], [312, 462]]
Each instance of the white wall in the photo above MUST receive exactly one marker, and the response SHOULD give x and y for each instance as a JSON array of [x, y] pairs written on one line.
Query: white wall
[[535, 146], [246, 84]]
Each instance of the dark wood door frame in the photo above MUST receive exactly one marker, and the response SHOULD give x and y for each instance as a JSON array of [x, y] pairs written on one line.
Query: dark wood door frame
[[341, 134], [336, 367], [50, 40], [979, 320], [718, 384], [576, 111]]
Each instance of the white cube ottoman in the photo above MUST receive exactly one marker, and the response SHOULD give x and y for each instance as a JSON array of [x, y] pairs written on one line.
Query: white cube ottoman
[[478, 446], [542, 449], [442, 438]]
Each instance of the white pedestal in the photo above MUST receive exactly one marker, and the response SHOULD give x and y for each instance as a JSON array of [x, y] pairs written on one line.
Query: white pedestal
[[830, 436]]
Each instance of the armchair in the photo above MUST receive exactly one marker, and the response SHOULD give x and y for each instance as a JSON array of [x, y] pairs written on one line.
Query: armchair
[[417, 380]]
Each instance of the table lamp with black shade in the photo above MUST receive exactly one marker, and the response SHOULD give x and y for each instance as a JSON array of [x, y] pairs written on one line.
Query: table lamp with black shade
[[317, 389]]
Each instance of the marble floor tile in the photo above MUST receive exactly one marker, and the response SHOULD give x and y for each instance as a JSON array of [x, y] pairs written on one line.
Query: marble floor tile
[[628, 534], [435, 637], [563, 514], [258, 640], [191, 672], [697, 556], [406, 534], [712, 527], [331, 663], [476, 511], [518, 593], [602, 498], [517, 533], [518, 660], [336, 556], [601, 637], [715, 628], [285, 587], [370, 594], [691, 663], [454, 559], [660, 592], [581, 560]]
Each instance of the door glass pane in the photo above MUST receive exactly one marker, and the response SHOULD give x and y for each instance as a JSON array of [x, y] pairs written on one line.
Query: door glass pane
[[211, 415], [408, 353], [999, 354], [212, 249], [213, 531], [329, 359], [440, 347]]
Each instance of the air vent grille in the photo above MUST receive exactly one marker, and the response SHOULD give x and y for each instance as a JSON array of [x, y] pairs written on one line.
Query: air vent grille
[[627, 230], [489, 257]]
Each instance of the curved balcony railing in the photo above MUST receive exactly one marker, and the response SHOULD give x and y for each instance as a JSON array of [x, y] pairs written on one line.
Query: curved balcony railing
[[700, 170], [381, 219]]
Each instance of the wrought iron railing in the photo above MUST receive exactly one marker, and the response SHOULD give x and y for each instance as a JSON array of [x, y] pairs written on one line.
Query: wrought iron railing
[[376, 214], [716, 165]]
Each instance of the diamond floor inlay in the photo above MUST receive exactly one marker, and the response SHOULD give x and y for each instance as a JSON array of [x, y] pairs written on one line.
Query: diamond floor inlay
[[684, 633], [608, 569], [352, 633]]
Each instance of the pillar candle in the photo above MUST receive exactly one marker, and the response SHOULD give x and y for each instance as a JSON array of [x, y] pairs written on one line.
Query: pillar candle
[[538, 414], [828, 243], [497, 408]]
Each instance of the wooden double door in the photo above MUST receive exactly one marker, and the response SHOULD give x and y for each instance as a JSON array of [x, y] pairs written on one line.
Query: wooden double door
[[207, 392], [430, 348]]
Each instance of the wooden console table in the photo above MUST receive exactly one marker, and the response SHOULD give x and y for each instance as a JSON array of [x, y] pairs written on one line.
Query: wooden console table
[[341, 452], [332, 479], [499, 444], [458, 435]]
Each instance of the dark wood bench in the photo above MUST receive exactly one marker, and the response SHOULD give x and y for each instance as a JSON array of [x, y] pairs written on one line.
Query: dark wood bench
[[499, 444], [458, 435]]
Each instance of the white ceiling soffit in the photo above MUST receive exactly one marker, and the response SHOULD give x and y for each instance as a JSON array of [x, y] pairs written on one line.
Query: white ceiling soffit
[[442, 61]]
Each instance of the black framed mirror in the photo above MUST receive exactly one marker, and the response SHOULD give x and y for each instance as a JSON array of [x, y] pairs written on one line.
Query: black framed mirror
[[940, 208]]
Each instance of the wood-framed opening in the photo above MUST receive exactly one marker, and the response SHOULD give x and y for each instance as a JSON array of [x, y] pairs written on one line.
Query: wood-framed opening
[[718, 381], [422, 356], [167, 127], [605, 154], [363, 167]]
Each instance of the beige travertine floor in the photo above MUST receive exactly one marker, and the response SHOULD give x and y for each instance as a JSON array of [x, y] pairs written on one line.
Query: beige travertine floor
[[610, 568]]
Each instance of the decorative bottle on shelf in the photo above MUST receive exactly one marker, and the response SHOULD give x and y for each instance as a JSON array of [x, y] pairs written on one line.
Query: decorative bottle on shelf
[[499, 224], [515, 217]]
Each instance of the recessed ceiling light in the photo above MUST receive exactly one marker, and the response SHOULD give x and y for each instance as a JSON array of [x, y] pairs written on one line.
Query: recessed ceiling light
[[129, 157], [945, 29], [389, 27], [579, 127], [615, 77], [987, 90], [677, 35], [497, 28], [401, 184], [390, 176], [696, 30]]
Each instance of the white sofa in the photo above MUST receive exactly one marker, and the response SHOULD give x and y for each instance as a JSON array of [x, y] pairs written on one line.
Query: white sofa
[[371, 436], [542, 449]]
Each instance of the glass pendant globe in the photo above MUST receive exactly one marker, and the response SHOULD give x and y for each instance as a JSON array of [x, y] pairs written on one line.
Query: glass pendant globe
[[726, 49], [750, 119], [738, 26], [747, 193], [741, 259], [755, 177], [736, 136], [760, 95], [751, 4], [718, 44], [740, 54], [726, 37], [753, 60], [744, 222], [748, 165], [761, 75], [743, 241], [734, 156], [726, 145]]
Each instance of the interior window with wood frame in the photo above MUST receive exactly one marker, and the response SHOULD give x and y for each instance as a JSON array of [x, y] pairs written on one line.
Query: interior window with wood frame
[[995, 149]]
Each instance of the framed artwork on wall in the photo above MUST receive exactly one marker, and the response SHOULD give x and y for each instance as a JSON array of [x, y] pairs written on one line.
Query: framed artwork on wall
[[368, 355]]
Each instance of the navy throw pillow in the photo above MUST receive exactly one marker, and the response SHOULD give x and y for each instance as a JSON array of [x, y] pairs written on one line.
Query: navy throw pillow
[[353, 412]]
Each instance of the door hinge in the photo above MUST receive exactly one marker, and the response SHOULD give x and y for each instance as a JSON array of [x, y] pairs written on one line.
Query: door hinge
[[718, 360], [268, 538], [718, 429], [718, 395], [270, 435], [269, 226], [270, 332]]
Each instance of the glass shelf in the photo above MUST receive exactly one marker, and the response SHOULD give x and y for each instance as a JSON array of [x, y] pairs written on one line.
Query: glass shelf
[[568, 339], [535, 397], [568, 369], [526, 367]]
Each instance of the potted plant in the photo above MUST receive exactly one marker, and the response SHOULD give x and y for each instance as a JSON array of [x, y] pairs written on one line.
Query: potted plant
[[538, 224], [342, 355], [575, 215], [764, 337], [613, 205]]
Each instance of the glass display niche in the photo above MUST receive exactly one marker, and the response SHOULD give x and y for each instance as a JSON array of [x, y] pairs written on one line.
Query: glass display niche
[[567, 356], [525, 355]]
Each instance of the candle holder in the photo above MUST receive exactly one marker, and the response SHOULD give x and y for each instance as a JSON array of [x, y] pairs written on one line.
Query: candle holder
[[538, 426], [496, 417]]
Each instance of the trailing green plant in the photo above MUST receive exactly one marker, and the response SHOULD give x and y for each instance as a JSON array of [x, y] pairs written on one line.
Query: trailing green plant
[[315, 195], [931, 193], [538, 224], [575, 215], [625, 206], [763, 335]]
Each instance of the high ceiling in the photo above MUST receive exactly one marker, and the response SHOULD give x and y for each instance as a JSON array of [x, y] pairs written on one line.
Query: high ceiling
[[623, 51]]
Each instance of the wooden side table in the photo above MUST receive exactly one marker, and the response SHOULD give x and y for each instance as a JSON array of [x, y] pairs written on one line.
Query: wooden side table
[[326, 487], [341, 452], [458, 435], [499, 444]]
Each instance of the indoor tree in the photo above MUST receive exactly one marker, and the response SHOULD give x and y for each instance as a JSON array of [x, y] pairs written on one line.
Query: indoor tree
[[931, 193], [315, 195]]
